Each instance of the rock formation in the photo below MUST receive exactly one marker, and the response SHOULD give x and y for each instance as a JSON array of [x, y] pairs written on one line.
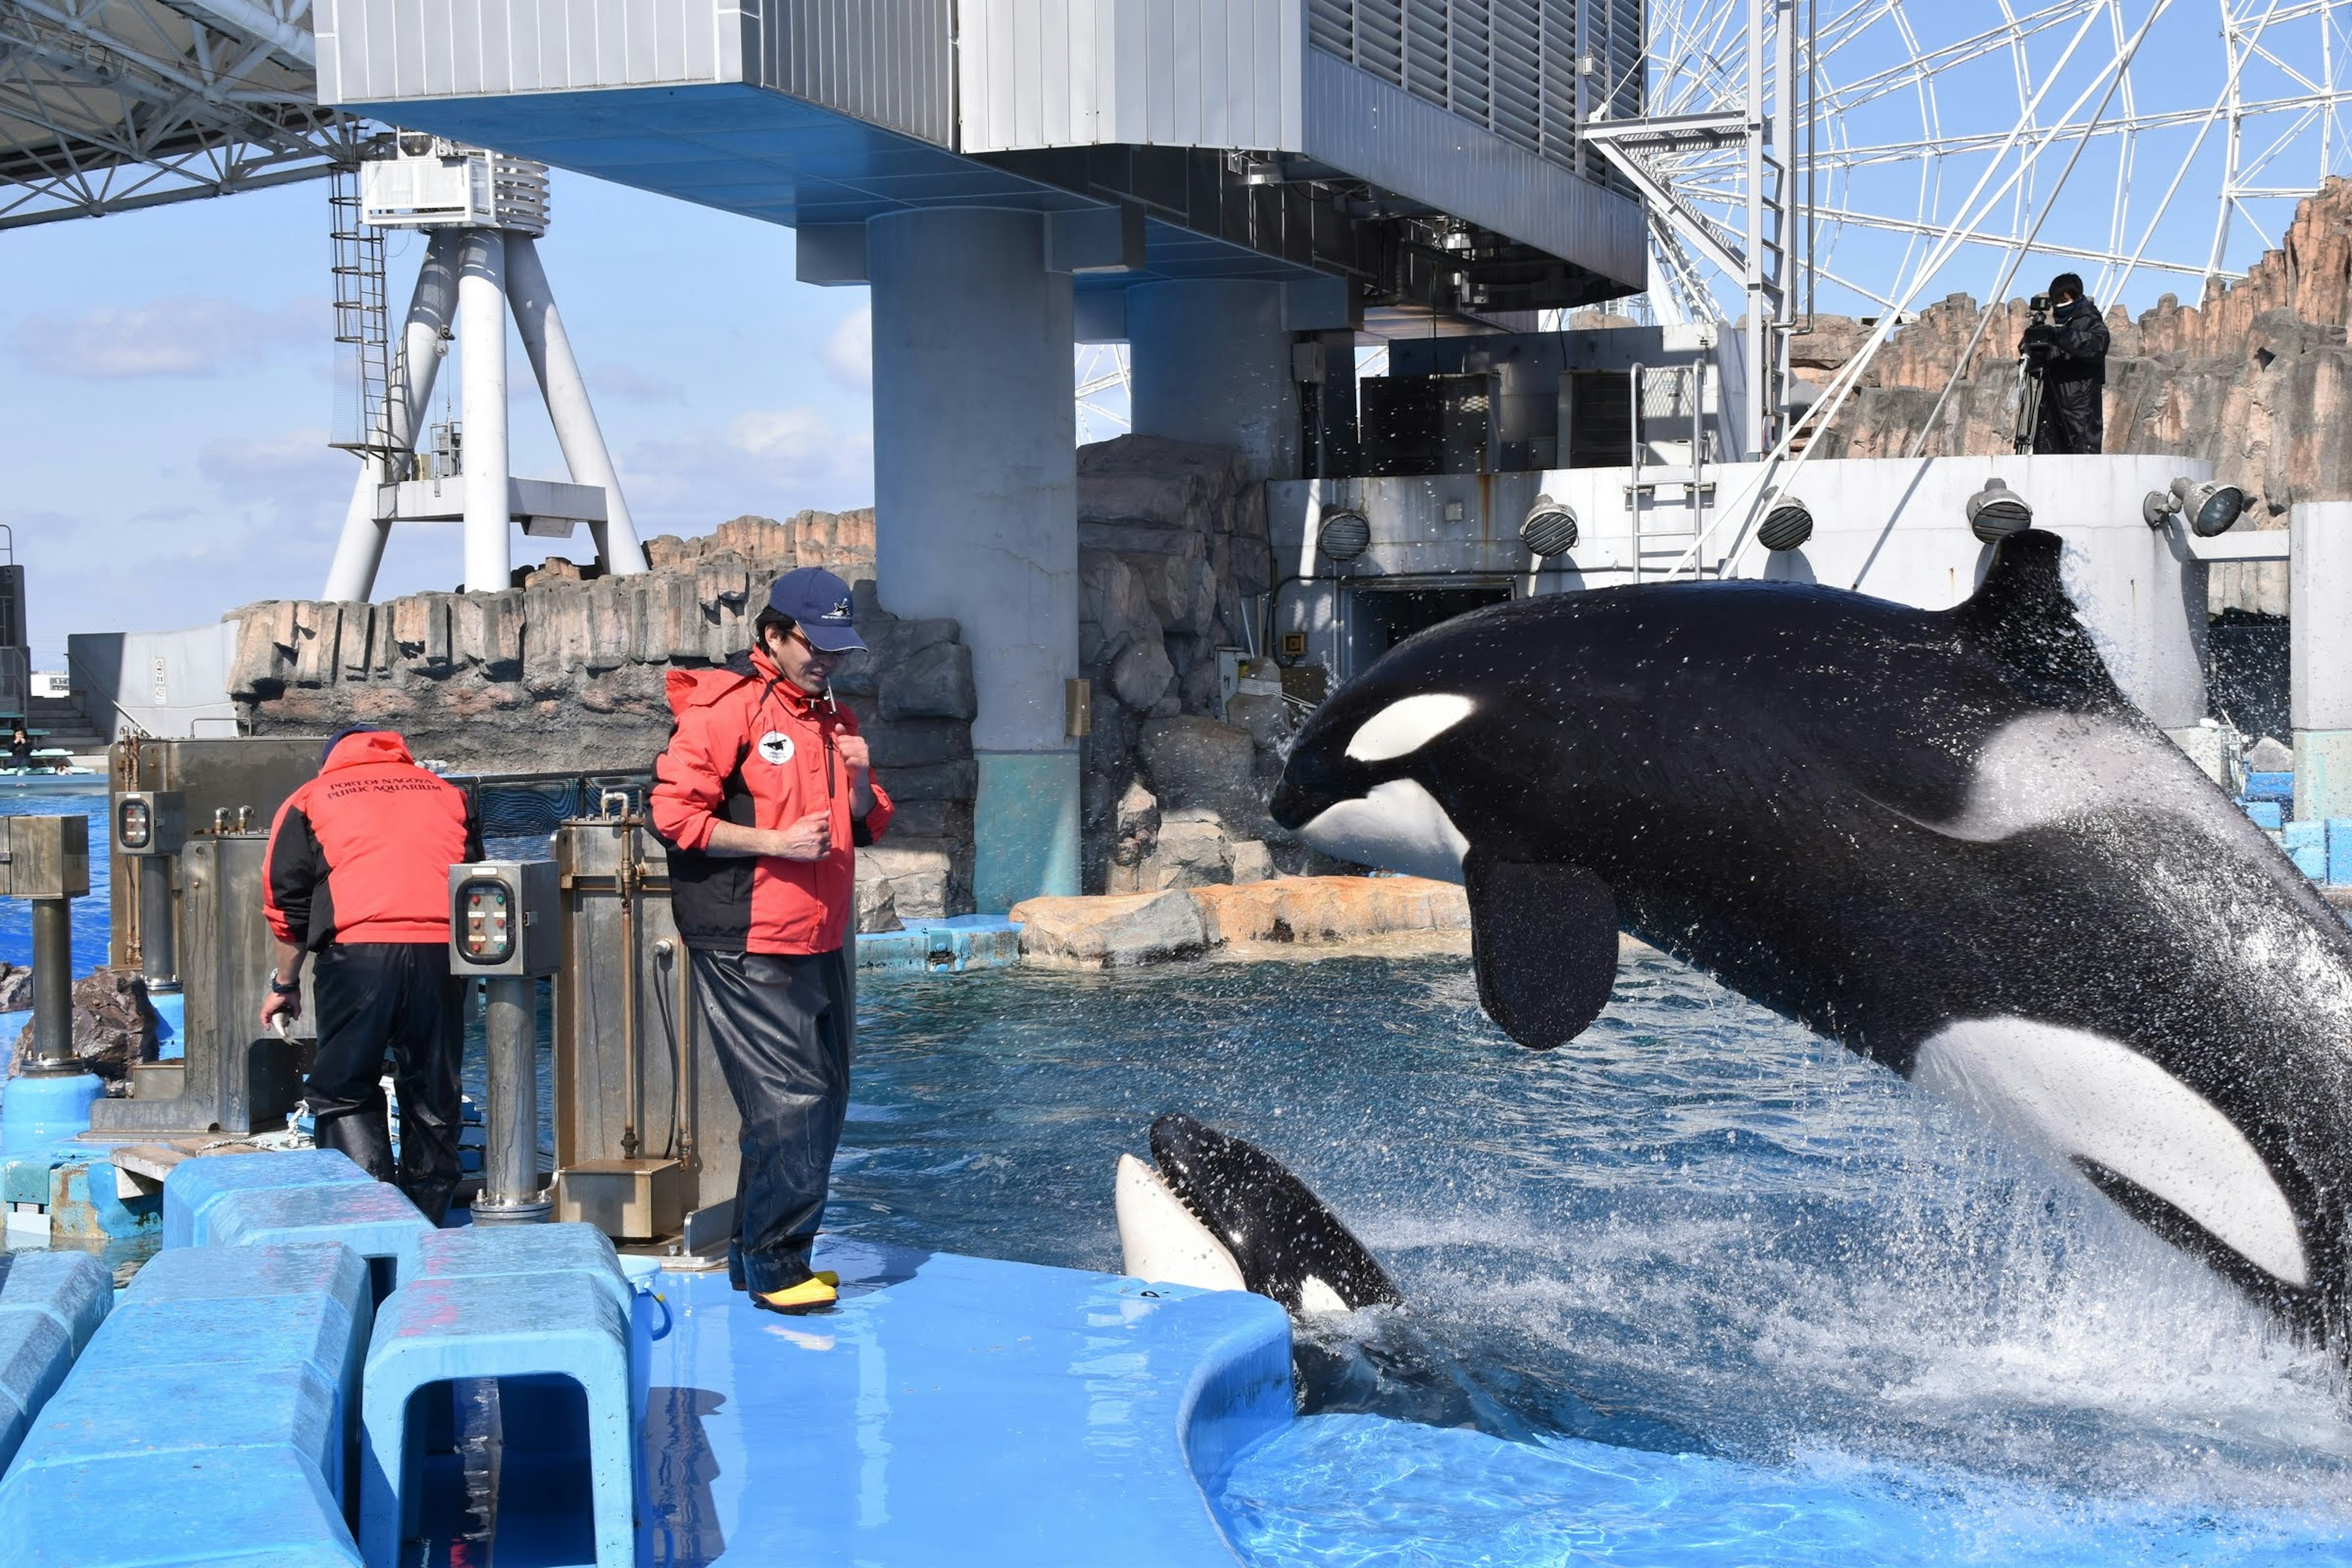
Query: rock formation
[[2255, 378], [114, 1026], [565, 672], [1172, 557]]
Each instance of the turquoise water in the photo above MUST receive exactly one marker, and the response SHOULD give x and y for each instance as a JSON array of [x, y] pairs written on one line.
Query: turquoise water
[[1695, 1288]]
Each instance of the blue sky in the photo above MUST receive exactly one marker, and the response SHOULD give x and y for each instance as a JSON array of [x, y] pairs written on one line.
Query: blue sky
[[167, 379]]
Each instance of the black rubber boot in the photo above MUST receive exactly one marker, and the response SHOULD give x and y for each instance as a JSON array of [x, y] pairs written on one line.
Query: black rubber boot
[[365, 1135]]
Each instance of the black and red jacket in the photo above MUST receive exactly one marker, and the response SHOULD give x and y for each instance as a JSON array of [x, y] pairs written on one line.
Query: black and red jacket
[[362, 852], [751, 748]]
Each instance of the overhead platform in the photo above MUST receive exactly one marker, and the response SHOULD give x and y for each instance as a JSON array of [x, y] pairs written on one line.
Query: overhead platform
[[1246, 145]]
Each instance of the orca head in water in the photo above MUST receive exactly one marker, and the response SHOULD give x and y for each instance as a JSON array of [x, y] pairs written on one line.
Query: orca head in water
[[1224, 1215]]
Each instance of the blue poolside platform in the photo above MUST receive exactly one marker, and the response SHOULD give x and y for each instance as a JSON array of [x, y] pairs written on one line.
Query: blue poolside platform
[[956, 1409]]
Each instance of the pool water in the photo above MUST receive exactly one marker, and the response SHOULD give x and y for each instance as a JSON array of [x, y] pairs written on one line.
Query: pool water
[[1697, 1288], [91, 923]]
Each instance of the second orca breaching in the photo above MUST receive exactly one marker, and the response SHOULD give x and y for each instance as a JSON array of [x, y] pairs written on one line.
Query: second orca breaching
[[1942, 839]]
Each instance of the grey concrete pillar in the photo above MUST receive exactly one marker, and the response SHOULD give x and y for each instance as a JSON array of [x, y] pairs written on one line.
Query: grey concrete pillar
[[1210, 363], [2320, 636], [975, 490]]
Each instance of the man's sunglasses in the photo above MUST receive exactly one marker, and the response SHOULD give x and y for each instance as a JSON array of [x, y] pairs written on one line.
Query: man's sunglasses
[[813, 651]]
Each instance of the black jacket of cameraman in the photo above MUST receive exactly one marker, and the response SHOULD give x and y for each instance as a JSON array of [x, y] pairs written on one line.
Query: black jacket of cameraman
[[2071, 354]]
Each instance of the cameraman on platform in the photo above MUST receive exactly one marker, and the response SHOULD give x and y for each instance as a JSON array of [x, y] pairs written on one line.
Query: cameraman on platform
[[2069, 354]]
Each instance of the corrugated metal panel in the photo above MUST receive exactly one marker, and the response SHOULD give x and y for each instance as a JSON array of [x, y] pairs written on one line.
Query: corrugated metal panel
[[1358, 122], [889, 62], [1182, 73], [1507, 66], [384, 50]]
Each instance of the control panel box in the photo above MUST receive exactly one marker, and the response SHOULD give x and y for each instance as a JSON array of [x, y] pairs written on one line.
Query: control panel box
[[151, 822], [502, 917], [45, 856]]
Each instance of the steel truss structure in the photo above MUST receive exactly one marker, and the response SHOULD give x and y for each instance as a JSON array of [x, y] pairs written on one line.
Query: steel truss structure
[[107, 106], [2181, 132]]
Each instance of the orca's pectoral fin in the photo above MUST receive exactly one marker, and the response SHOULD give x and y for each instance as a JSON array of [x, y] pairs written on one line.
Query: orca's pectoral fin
[[1544, 940]]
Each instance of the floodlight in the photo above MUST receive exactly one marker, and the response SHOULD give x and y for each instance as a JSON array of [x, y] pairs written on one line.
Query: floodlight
[[1997, 511], [1345, 536], [2208, 506], [1549, 529], [1788, 525]]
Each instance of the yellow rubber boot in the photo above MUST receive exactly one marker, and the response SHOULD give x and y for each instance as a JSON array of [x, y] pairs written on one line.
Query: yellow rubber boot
[[812, 1294]]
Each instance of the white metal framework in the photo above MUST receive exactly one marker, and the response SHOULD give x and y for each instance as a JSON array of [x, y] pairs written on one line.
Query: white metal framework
[[2181, 132], [110, 105]]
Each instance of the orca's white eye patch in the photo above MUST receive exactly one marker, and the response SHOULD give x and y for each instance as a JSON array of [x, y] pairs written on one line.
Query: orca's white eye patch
[[1407, 725]]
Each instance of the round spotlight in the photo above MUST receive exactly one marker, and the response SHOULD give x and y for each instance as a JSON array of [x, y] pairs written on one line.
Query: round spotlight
[[1549, 529], [1345, 536], [2212, 507], [1787, 525], [1997, 511]]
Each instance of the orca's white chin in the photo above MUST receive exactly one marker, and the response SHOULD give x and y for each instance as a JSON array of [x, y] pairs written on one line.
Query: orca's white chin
[[1162, 1240], [1399, 826]]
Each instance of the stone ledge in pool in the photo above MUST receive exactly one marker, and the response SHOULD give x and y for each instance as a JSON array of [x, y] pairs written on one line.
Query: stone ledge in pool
[[1256, 920]]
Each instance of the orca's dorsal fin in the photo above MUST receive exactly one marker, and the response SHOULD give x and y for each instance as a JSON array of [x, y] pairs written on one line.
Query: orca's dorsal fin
[[2023, 617]]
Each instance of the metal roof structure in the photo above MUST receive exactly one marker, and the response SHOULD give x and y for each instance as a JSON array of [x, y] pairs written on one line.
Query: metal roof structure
[[1424, 156], [110, 105]]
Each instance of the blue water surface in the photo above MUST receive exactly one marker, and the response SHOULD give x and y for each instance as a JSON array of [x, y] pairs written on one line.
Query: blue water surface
[[90, 925], [1697, 1288]]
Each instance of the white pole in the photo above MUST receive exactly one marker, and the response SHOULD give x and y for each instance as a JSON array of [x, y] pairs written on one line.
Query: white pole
[[566, 393], [360, 551], [482, 331]]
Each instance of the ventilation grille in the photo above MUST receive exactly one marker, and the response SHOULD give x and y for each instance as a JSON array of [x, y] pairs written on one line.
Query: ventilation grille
[[1509, 66]]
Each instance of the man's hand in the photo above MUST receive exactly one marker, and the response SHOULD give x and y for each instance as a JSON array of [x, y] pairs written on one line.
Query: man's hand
[[810, 838], [855, 754], [275, 1004]]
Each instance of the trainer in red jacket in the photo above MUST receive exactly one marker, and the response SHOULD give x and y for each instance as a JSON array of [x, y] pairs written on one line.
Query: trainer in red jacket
[[762, 796], [357, 875]]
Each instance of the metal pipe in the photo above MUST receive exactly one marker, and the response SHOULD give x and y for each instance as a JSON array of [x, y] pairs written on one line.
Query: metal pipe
[[565, 391], [53, 987], [482, 331], [632, 1068], [510, 1190], [158, 955]]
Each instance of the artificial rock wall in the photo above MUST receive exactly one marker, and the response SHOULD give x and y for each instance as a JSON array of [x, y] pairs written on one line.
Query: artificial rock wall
[[2255, 378], [563, 673], [1172, 560]]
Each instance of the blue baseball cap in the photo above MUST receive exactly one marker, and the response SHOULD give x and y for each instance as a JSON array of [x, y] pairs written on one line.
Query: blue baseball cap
[[818, 603]]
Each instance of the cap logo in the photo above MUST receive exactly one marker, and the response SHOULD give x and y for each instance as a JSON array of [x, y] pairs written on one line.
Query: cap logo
[[840, 611]]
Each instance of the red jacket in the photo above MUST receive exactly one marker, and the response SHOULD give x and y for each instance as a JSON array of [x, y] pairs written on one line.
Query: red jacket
[[749, 747], [362, 852]]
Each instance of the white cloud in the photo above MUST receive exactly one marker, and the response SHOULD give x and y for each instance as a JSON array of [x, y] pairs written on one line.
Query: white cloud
[[770, 462], [185, 337], [782, 434], [849, 351]]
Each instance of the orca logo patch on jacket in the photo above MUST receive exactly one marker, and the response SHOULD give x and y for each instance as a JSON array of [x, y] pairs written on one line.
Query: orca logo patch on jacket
[[776, 747]]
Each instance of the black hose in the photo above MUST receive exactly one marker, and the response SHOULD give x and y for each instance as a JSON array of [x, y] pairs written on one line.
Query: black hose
[[676, 1066]]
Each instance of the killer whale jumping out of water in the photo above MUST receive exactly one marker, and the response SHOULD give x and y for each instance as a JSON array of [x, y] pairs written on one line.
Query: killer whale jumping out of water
[[1222, 1214], [1942, 839]]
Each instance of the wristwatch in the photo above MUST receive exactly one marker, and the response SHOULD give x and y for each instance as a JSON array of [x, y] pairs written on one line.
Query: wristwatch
[[278, 990]]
